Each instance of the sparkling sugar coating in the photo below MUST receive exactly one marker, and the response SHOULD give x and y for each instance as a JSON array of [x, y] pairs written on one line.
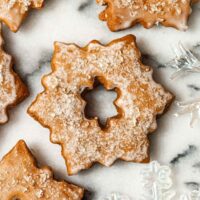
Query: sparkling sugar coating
[[21, 179], [12, 12], [61, 108], [12, 90], [122, 14]]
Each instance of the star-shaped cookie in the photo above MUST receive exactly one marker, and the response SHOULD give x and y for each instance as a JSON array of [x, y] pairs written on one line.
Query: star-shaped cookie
[[122, 14], [12, 12], [61, 108], [12, 89], [20, 178]]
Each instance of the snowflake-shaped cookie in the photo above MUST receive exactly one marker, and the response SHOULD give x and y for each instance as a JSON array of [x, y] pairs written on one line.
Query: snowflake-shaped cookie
[[12, 12], [20, 178], [122, 14], [12, 90], [60, 107]]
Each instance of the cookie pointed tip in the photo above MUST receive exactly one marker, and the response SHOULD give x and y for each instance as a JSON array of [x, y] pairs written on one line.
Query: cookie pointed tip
[[21, 144], [131, 37]]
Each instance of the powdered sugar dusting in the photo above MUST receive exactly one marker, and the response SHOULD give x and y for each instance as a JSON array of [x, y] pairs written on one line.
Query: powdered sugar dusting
[[8, 92], [20, 178], [12, 89], [24, 3], [140, 99]]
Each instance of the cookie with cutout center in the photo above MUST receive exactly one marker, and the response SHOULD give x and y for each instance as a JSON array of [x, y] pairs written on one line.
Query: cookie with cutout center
[[60, 107]]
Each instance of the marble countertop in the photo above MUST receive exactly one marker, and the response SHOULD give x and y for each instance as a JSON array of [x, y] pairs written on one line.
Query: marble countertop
[[174, 143]]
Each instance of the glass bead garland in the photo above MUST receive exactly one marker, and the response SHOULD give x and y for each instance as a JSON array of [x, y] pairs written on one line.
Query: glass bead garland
[[189, 107], [185, 62]]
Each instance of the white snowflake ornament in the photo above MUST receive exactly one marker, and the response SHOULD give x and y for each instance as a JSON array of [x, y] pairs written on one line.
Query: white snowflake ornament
[[185, 62], [157, 182], [194, 195]]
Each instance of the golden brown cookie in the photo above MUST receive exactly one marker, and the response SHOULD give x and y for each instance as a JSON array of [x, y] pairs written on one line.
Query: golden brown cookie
[[60, 107], [20, 178], [12, 12], [12, 89], [122, 14]]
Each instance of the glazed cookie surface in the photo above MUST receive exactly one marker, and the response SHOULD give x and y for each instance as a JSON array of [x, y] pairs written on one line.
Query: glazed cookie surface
[[122, 14], [12, 12], [61, 108], [12, 89], [20, 178]]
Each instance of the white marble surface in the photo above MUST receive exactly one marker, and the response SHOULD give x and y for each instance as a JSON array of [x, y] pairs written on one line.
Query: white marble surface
[[174, 143]]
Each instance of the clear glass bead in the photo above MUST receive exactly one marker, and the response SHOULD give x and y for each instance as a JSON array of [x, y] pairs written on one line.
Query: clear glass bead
[[184, 62]]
